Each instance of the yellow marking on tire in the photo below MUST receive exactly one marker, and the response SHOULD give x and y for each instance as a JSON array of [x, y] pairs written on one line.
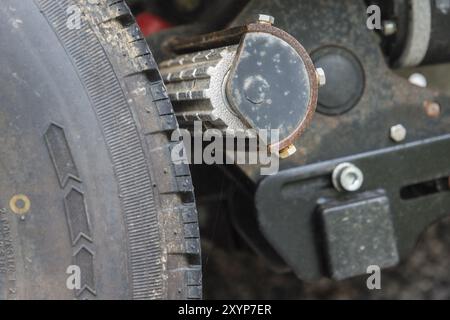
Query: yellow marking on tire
[[20, 204]]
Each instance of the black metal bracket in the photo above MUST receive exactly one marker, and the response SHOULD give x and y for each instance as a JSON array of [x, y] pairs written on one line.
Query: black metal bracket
[[320, 231]]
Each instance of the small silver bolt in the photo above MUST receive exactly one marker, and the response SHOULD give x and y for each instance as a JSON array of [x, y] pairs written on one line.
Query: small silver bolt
[[389, 28], [398, 133], [321, 77], [347, 177], [265, 18]]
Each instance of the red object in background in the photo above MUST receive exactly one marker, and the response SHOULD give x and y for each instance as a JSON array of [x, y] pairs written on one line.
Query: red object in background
[[150, 23]]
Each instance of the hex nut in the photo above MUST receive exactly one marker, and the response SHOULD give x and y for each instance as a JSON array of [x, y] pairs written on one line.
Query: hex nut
[[265, 18], [398, 133], [287, 152], [432, 109], [347, 177]]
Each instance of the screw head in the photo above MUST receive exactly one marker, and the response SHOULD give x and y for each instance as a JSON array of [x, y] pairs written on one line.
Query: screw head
[[389, 28], [265, 18], [398, 133], [321, 77], [347, 177]]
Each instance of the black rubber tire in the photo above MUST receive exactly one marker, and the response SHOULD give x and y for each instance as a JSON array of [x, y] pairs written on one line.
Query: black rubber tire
[[85, 172]]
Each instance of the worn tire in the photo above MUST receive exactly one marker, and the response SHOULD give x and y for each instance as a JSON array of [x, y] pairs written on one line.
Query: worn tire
[[86, 181]]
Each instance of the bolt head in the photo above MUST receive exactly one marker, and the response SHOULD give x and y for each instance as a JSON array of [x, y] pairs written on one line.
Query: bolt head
[[398, 133], [347, 177], [389, 28], [321, 77], [265, 18], [418, 80], [432, 109]]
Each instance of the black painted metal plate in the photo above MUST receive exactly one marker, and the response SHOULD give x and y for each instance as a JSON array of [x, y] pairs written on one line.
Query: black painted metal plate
[[287, 202]]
